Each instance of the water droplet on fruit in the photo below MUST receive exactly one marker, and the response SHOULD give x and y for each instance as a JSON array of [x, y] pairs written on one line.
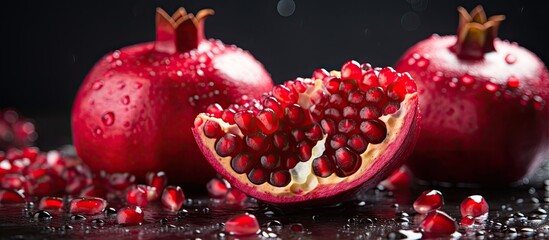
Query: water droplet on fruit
[[491, 87], [116, 54], [538, 102], [97, 85], [513, 82], [126, 100], [98, 131], [467, 79], [118, 63], [108, 118], [423, 62], [510, 58], [199, 72]]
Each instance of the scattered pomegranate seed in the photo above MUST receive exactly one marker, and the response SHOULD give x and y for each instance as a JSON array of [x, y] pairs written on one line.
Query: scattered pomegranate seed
[[244, 224], [351, 70], [50, 203], [87, 206], [8, 196], [400, 179], [132, 215], [428, 200], [94, 190], [173, 198], [467, 221], [137, 195], [474, 206], [235, 197], [13, 181], [217, 188], [121, 181], [437, 224]]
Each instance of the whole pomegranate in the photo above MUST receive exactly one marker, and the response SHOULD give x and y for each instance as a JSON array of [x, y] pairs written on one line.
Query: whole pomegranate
[[485, 119], [313, 141], [135, 109]]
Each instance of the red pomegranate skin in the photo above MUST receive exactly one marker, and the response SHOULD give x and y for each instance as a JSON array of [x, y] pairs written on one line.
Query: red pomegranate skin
[[135, 109], [478, 126]]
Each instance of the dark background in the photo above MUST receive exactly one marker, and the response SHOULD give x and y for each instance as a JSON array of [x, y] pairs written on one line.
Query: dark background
[[49, 46]]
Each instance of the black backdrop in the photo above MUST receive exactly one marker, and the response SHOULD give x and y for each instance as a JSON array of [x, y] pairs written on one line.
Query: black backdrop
[[50, 45]]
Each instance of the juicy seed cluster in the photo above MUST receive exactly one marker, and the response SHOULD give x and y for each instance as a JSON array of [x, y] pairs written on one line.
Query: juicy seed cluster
[[282, 128]]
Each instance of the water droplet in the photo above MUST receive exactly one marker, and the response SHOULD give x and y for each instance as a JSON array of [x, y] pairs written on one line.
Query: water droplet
[[97, 85], [199, 72], [467, 79], [116, 54], [98, 131], [42, 215], [126, 100], [538, 102], [510, 58], [513, 82], [108, 118], [118, 63], [491, 87], [77, 217], [138, 85], [179, 73], [423, 62], [411, 61]]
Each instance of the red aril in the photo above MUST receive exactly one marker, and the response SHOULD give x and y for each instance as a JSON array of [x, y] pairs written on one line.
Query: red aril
[[121, 181], [134, 110], [467, 221], [94, 191], [437, 224], [50, 203], [87, 205], [129, 216], [8, 196], [428, 200], [306, 140], [400, 179], [13, 181], [15, 131], [173, 198], [235, 197], [485, 119], [159, 180], [240, 225], [217, 188], [137, 195], [474, 206]]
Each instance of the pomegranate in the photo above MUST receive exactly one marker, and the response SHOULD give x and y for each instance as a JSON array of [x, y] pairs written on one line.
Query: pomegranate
[[314, 139], [485, 119], [134, 110]]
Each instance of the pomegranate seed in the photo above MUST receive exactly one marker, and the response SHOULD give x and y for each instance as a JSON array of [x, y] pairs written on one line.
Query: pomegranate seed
[[332, 113], [121, 181], [304, 151], [374, 131], [474, 206], [291, 162], [228, 145], [159, 180], [357, 143], [428, 200], [235, 197], [351, 70], [267, 121], [322, 166], [374, 95], [280, 178], [94, 191], [298, 135], [269, 161], [299, 85], [346, 126], [273, 104], [294, 114], [76, 184], [328, 126], [467, 221], [245, 120], [356, 97], [347, 86], [13, 181], [396, 91], [258, 142], [47, 185], [50, 203], [284, 95], [257, 176], [513, 82], [212, 129], [214, 110], [87, 206], [332, 85], [320, 74], [437, 224], [346, 162], [369, 80], [280, 141], [228, 116], [338, 141], [217, 188], [387, 76], [400, 179], [242, 162], [137, 195], [153, 193], [408, 82], [173, 198], [390, 108], [369, 112], [314, 133], [244, 224], [8, 196], [128, 216], [350, 112]]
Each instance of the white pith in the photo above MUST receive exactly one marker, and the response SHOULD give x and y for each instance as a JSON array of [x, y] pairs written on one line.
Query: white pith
[[303, 180]]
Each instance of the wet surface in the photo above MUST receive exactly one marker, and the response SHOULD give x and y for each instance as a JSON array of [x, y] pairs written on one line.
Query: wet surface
[[515, 212]]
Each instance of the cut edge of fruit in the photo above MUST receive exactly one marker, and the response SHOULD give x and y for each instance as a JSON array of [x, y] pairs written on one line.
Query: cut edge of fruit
[[310, 186]]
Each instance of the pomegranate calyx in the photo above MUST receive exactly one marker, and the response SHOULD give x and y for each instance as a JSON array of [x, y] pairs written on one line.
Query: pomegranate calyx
[[475, 33], [180, 32]]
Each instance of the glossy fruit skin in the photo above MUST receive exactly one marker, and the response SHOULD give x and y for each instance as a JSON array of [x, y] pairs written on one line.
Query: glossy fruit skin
[[134, 111], [470, 133]]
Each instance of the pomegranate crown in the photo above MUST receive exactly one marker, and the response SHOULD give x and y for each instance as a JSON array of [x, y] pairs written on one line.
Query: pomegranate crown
[[180, 32], [476, 33]]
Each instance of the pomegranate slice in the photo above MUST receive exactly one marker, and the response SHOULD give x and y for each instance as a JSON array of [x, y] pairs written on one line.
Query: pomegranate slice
[[244, 224], [312, 139]]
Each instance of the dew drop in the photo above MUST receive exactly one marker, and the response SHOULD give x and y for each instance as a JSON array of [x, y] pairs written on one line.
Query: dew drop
[[108, 118], [98, 131], [116, 54], [179, 73], [97, 85], [491, 87], [411, 61], [467, 79], [199, 72], [423, 62], [42, 215], [510, 58], [538, 102], [126, 100], [513, 82]]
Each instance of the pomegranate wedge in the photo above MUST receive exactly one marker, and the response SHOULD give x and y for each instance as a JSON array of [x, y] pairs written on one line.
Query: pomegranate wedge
[[315, 140]]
